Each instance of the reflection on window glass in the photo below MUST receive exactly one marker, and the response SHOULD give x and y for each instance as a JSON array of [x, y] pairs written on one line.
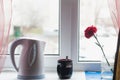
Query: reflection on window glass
[[96, 12], [37, 18]]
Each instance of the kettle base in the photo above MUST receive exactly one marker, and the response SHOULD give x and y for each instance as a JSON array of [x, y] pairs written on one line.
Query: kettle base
[[31, 77]]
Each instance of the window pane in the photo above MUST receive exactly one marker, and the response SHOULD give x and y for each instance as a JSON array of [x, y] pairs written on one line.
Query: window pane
[[37, 18], [96, 12]]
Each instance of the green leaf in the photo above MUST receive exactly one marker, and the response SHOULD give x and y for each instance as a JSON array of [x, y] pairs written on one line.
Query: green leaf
[[97, 44]]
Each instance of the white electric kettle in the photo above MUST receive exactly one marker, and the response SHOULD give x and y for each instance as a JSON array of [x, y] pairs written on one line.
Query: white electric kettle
[[31, 64]]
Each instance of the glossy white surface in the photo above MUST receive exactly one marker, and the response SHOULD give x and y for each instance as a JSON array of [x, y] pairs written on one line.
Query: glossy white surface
[[48, 76]]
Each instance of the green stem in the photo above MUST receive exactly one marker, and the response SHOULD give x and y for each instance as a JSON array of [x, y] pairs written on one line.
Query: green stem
[[103, 53]]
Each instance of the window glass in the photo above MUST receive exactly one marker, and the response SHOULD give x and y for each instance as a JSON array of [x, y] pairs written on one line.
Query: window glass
[[37, 18], [96, 12]]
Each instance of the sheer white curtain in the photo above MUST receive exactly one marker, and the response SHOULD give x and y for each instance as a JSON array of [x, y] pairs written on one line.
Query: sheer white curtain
[[5, 23], [114, 6]]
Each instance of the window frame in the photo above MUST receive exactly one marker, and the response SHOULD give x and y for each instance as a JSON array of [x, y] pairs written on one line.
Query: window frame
[[64, 37], [68, 39], [75, 24]]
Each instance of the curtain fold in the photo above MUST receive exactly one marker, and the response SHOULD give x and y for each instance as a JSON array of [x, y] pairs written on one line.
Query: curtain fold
[[5, 24], [114, 6]]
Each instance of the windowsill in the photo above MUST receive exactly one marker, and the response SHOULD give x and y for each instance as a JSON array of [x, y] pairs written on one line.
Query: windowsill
[[11, 75]]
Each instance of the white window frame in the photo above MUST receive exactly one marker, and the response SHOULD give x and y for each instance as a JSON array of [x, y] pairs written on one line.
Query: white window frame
[[69, 39], [75, 24], [65, 35]]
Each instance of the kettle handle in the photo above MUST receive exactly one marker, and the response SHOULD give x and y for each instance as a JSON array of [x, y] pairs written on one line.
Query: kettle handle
[[12, 50]]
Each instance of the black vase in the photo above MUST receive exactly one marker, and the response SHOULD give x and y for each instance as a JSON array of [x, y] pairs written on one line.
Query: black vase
[[64, 68]]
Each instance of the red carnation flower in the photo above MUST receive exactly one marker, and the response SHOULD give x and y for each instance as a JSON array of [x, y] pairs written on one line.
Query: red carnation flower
[[90, 31]]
